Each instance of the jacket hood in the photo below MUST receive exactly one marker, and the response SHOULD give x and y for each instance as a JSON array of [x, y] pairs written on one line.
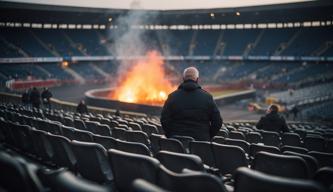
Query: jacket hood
[[189, 85]]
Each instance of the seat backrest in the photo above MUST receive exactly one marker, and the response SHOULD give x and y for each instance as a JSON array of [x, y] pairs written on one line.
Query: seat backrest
[[255, 148], [102, 129], [169, 144], [324, 159], [194, 181], [62, 180], [91, 161], [137, 136], [178, 161], [106, 142], [281, 165], [236, 135], [79, 124], [314, 143], [141, 185], [154, 142], [294, 149], [204, 150], [240, 143], [253, 137], [118, 133], [292, 139], [270, 138], [228, 158], [310, 161], [135, 126], [81, 135], [133, 147], [129, 166], [149, 129], [329, 146], [324, 176], [185, 140], [249, 180]]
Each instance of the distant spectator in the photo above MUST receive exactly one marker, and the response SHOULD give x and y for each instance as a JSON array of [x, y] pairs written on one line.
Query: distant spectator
[[117, 113], [35, 97], [272, 121], [295, 111], [25, 98], [82, 107], [46, 96]]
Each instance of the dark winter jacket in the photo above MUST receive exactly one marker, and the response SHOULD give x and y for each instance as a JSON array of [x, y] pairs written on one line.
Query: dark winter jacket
[[82, 108], [35, 97], [273, 122], [191, 111]]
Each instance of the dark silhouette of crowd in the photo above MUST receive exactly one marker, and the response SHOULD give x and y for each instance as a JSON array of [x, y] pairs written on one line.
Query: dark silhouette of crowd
[[35, 98]]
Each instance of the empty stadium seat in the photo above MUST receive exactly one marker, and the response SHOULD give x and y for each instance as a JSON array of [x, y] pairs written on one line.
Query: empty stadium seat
[[324, 159], [294, 149], [310, 161], [204, 150], [178, 161], [137, 136], [271, 138], [141, 185], [106, 142], [281, 165], [154, 141], [170, 144], [228, 158], [249, 180], [254, 137], [236, 135], [133, 147], [324, 176], [314, 143], [129, 166], [292, 139], [91, 161], [255, 148]]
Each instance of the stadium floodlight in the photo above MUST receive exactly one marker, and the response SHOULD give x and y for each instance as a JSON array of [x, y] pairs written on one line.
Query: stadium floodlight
[[212, 15], [238, 13], [110, 19]]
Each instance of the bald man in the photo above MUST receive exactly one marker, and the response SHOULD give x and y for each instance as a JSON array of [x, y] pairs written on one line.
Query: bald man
[[190, 110]]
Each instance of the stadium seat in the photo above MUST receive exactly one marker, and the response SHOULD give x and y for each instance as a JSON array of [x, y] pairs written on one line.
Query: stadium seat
[[294, 149], [79, 124], [17, 175], [178, 161], [170, 144], [228, 158], [314, 143], [270, 138], [310, 161], [204, 150], [118, 133], [281, 165], [62, 180], [141, 185], [292, 139], [154, 142], [240, 143], [223, 133], [106, 142], [190, 181], [324, 159], [41, 145], [324, 176], [329, 146], [133, 147], [135, 126], [185, 140], [149, 129], [255, 148], [137, 136], [91, 161], [254, 137], [249, 180], [236, 135], [62, 154], [129, 166], [102, 129]]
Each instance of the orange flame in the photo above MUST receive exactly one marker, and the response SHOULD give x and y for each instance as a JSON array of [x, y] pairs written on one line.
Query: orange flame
[[145, 82]]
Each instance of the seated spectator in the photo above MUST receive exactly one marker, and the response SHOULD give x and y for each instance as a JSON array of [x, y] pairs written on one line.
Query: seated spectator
[[35, 97], [272, 121], [46, 96], [25, 98], [82, 107]]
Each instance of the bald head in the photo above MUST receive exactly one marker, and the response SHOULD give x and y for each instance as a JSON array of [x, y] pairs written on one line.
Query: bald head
[[191, 73]]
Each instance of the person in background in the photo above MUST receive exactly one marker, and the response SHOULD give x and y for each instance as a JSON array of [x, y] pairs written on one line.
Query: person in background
[[82, 107], [295, 111], [25, 98], [46, 96], [190, 110], [272, 121], [35, 97]]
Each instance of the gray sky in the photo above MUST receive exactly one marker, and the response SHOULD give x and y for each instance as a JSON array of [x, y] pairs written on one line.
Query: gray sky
[[158, 4]]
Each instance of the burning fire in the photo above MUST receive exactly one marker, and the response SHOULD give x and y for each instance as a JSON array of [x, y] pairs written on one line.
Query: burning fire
[[145, 82]]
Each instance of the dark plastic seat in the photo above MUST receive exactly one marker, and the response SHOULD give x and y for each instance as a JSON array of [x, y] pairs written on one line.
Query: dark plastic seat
[[281, 165], [204, 150], [324, 159], [228, 158], [292, 139], [329, 146], [240, 143], [170, 144], [249, 180], [118, 133], [135, 126], [254, 137], [255, 148], [141, 185], [129, 166], [185, 140], [223, 133], [314, 143], [76, 134], [294, 149], [91, 161], [190, 181], [137, 136], [106, 142], [236, 135], [324, 176], [102, 129], [178, 161], [133, 147], [41, 145], [62, 180], [154, 142], [17, 175], [79, 124], [62, 154], [149, 129], [310, 161], [271, 138]]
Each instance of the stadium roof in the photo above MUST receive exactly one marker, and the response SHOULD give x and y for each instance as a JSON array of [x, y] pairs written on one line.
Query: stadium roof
[[289, 12]]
